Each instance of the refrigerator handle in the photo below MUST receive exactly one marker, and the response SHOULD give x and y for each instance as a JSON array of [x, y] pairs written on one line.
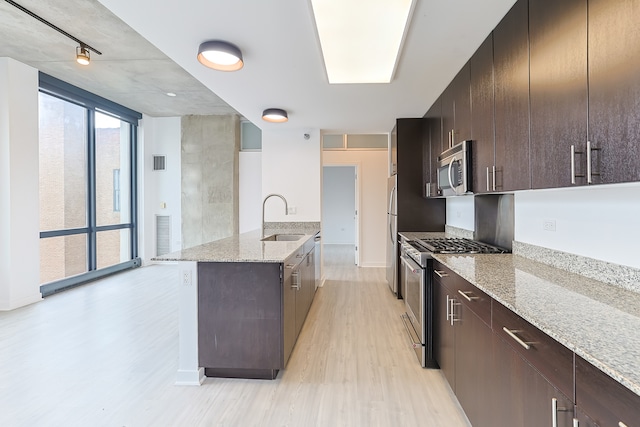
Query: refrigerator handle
[[393, 190]]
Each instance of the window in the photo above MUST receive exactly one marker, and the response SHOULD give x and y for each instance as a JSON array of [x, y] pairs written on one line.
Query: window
[[355, 141], [87, 186], [250, 137]]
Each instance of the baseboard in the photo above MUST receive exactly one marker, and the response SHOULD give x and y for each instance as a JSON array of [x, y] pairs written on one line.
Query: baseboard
[[191, 377], [372, 265], [7, 305]]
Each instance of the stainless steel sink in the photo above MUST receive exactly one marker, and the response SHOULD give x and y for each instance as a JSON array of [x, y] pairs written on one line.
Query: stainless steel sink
[[282, 238]]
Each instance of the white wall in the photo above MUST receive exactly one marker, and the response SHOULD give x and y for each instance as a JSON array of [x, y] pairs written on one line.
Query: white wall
[[461, 212], [250, 188], [159, 136], [291, 166], [19, 185], [600, 221], [338, 204], [373, 201]]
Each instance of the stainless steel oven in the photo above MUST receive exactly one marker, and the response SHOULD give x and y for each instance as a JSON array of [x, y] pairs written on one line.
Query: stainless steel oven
[[416, 276], [416, 279]]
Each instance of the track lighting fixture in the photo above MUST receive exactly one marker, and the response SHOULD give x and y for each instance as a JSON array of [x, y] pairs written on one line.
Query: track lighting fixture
[[83, 57]]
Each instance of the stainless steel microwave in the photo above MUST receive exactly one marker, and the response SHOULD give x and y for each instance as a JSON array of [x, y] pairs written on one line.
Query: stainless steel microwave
[[454, 170]]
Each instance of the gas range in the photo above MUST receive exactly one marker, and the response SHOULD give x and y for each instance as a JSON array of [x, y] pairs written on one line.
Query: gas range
[[421, 250]]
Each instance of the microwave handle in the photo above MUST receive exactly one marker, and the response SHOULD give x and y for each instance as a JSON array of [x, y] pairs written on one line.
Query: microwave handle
[[454, 188]]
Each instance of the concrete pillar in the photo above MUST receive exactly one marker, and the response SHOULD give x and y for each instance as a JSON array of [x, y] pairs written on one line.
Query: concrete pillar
[[19, 184], [210, 191]]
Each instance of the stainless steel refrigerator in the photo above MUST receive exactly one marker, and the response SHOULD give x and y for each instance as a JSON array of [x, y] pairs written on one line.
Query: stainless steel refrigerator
[[392, 233]]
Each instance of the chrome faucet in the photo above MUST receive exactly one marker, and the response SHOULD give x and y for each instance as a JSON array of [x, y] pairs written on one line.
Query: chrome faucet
[[286, 207]]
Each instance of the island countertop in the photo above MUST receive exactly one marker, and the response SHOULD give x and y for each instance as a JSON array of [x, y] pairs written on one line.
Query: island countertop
[[244, 247]]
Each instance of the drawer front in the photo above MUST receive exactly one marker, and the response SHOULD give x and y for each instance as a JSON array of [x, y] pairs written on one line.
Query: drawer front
[[464, 292], [603, 399], [549, 357]]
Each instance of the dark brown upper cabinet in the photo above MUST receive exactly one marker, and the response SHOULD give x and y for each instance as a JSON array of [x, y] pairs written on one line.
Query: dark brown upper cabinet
[[456, 109], [614, 90], [558, 55], [482, 119], [511, 68], [433, 123]]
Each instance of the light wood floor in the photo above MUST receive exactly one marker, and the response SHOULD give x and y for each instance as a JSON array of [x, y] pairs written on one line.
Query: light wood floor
[[105, 354]]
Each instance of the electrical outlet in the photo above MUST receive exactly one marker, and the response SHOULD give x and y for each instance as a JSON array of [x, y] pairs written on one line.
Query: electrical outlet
[[292, 210], [186, 277], [549, 225]]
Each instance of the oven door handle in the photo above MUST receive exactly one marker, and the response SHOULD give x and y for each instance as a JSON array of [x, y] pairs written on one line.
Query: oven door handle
[[415, 268]]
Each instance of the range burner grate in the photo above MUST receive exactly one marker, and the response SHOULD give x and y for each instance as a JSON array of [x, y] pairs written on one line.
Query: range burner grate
[[458, 245]]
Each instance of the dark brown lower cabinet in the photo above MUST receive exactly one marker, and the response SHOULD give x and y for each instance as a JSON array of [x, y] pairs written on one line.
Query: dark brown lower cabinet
[[601, 401], [444, 338], [250, 314], [498, 381], [521, 395]]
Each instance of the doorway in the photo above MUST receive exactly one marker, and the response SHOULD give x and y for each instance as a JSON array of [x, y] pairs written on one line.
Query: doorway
[[340, 209]]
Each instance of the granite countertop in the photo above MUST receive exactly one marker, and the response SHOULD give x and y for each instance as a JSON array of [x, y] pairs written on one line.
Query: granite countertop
[[245, 247], [598, 321]]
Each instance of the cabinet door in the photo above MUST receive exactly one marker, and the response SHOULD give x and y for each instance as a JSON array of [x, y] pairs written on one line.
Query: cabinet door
[[473, 365], [614, 89], [456, 109], [434, 126], [462, 105], [522, 396], [482, 119], [511, 66], [448, 114], [288, 312], [443, 332], [558, 54], [601, 400]]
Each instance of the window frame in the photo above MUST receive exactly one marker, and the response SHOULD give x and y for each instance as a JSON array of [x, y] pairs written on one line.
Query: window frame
[[93, 103]]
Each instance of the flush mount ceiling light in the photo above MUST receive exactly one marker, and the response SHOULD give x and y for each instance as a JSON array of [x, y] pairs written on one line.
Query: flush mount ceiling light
[[361, 40], [82, 52], [220, 55], [274, 115], [83, 56]]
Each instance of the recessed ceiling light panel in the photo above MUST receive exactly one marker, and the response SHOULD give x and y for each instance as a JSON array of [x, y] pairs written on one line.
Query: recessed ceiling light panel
[[361, 39]]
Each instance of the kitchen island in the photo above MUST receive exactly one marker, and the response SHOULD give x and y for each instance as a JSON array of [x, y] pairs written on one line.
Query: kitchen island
[[243, 300]]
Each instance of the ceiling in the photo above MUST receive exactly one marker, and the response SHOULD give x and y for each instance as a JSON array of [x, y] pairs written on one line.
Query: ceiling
[[149, 48]]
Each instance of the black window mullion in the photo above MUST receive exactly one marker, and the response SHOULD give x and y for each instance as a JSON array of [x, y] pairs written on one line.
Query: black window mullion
[[133, 147], [91, 190]]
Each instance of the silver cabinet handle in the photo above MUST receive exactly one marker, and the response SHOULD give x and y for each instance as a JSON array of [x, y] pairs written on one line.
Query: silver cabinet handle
[[621, 424], [576, 423], [440, 273], [573, 164], [554, 412], [452, 316], [448, 307], [487, 178], [512, 334], [467, 297], [296, 280], [590, 173], [494, 177]]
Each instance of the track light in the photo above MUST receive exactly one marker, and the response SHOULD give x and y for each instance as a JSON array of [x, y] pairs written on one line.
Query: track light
[[274, 115], [220, 55], [82, 51], [83, 57]]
